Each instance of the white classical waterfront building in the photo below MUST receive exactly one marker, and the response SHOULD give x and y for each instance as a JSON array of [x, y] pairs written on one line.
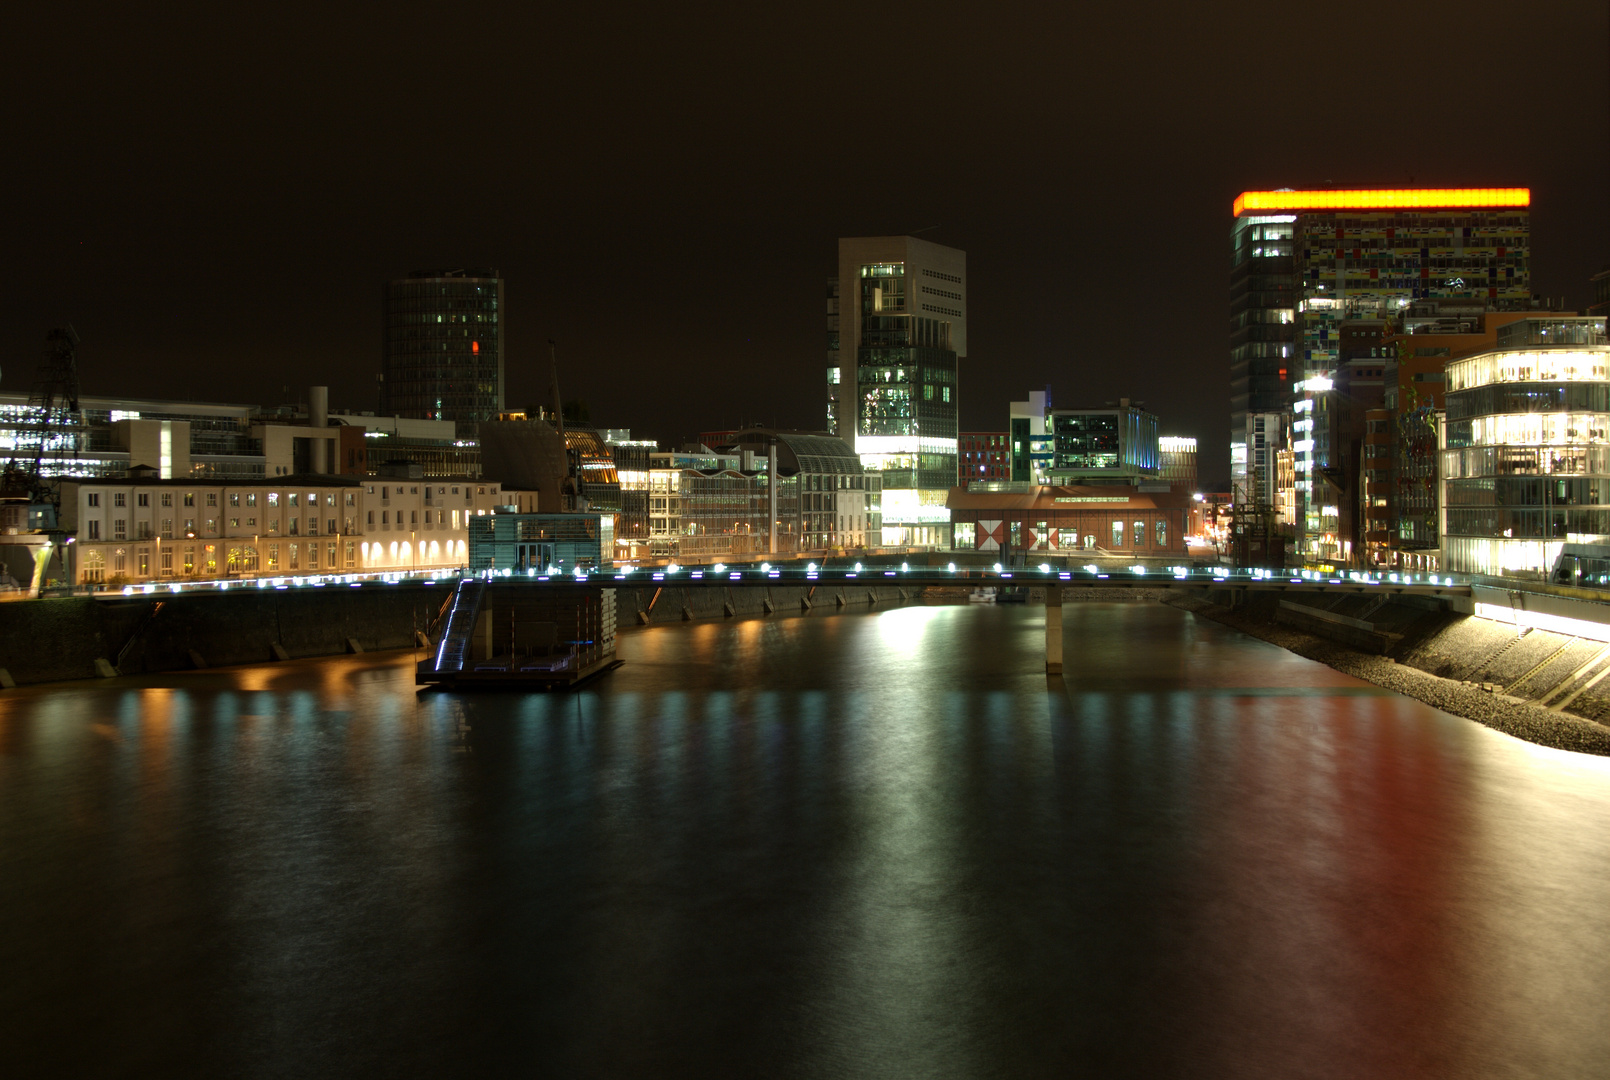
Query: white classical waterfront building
[[141, 529]]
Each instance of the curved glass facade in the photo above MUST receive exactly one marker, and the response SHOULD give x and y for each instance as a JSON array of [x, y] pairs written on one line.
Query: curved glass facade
[[1526, 449]]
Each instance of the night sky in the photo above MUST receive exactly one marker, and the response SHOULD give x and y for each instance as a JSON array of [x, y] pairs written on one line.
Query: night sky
[[216, 200]]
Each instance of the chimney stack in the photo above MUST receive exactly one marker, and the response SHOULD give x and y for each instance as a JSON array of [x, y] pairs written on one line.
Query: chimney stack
[[318, 418]]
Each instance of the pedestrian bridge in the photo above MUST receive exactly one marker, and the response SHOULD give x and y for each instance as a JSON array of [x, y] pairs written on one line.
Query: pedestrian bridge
[[1053, 581]]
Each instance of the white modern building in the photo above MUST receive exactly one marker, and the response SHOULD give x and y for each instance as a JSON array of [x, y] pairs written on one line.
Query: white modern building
[[897, 332], [1526, 448]]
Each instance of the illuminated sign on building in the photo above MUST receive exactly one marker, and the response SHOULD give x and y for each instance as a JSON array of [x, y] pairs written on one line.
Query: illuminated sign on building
[[1380, 199]]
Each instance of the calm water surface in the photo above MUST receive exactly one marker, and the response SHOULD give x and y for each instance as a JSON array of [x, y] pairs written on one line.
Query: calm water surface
[[854, 845]]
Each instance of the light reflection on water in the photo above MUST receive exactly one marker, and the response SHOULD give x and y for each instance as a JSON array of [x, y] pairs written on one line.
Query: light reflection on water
[[847, 845]]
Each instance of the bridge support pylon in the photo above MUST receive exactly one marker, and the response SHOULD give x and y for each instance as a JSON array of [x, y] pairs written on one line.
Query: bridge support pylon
[[1053, 630]]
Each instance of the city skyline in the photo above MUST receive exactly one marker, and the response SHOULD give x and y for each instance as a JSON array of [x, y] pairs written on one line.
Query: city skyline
[[231, 198]]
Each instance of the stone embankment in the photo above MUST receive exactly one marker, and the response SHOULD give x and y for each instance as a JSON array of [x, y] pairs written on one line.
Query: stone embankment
[[82, 638], [643, 605], [1475, 668]]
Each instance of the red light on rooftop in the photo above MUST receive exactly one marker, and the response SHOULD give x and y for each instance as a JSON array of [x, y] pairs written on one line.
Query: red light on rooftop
[[1266, 202]]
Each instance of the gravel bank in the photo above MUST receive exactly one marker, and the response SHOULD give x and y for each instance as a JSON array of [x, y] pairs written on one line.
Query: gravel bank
[[1501, 712]]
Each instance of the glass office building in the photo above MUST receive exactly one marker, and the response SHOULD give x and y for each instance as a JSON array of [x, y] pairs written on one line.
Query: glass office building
[[443, 351], [900, 304], [1112, 445], [1526, 457], [1263, 343]]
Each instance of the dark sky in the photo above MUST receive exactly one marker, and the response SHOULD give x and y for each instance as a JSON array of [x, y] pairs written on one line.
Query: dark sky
[[215, 200]]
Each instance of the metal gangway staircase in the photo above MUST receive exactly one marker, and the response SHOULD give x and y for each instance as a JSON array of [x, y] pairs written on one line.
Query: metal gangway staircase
[[455, 645]]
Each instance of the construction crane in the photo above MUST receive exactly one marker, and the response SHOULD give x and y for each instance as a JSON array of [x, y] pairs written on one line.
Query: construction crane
[[48, 427]]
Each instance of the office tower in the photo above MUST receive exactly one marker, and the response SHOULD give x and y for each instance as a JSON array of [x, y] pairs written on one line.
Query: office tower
[[443, 352], [1263, 342], [1303, 263], [897, 328]]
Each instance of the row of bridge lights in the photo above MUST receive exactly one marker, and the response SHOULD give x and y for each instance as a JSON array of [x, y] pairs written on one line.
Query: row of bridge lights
[[1179, 573], [812, 571]]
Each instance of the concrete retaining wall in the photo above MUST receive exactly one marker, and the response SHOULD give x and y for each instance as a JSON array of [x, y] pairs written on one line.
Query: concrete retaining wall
[[1354, 633], [49, 640], [704, 602], [59, 639]]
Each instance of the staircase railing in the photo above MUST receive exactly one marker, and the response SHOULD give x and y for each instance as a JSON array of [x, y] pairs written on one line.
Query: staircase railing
[[455, 646]]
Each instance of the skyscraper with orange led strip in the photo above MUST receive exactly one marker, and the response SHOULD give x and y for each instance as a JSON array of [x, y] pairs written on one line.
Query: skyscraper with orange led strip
[[1303, 263]]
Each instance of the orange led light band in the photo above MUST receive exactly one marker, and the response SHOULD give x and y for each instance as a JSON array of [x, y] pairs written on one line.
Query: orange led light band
[[1265, 202]]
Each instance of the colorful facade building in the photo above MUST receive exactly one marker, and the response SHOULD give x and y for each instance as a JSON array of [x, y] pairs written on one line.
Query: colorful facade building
[[983, 455], [1304, 263]]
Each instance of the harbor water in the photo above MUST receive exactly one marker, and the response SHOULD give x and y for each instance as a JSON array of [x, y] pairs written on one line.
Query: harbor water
[[837, 845]]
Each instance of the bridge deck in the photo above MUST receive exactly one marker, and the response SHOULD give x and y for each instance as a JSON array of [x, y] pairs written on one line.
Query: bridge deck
[[921, 577]]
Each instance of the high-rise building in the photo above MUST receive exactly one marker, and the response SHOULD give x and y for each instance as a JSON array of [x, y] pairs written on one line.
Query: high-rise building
[[897, 328], [1304, 262], [443, 351], [1263, 344]]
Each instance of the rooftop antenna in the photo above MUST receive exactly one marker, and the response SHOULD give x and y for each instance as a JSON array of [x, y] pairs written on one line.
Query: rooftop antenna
[[553, 389]]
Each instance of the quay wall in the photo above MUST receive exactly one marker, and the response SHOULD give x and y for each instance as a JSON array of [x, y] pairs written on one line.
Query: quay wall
[[63, 638], [1547, 687], [67, 638], [676, 602]]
